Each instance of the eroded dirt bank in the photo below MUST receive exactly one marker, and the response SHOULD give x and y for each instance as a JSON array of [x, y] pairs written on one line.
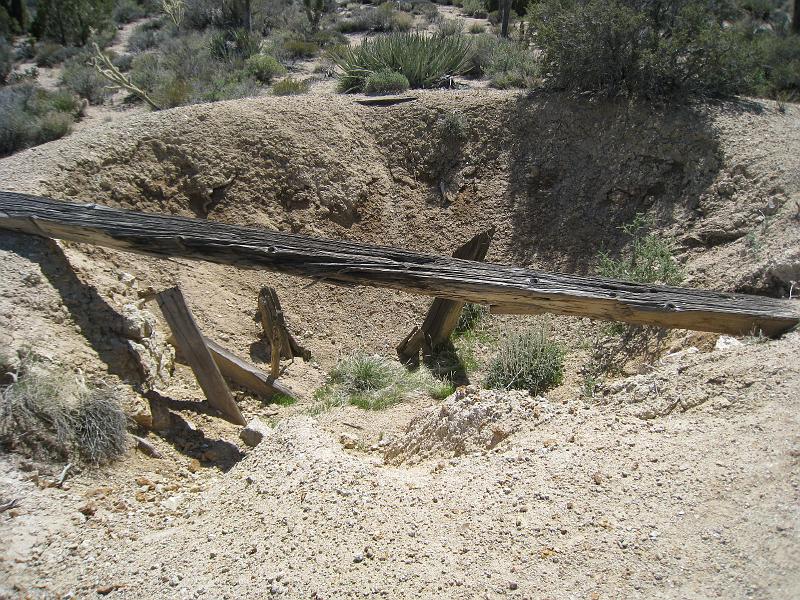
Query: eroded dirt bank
[[681, 481]]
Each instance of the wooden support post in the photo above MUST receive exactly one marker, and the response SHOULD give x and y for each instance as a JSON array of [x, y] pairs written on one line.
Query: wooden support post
[[506, 289], [443, 315], [192, 346], [273, 323], [245, 374]]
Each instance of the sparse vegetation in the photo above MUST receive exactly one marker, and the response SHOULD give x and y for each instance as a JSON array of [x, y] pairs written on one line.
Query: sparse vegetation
[[373, 382], [289, 87], [30, 115], [471, 316], [84, 80], [264, 67], [386, 82], [527, 360], [649, 258], [47, 414], [426, 61]]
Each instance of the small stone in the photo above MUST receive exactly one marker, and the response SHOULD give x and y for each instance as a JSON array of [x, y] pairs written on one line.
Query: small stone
[[348, 441], [358, 558], [726, 342], [513, 585], [597, 477], [254, 433], [194, 466], [88, 509]]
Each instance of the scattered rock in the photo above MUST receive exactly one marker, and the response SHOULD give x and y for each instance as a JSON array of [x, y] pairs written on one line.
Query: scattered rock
[[726, 342], [254, 432], [348, 441]]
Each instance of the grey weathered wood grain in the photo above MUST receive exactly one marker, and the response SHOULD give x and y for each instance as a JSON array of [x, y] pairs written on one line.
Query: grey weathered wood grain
[[192, 345], [506, 289], [442, 317]]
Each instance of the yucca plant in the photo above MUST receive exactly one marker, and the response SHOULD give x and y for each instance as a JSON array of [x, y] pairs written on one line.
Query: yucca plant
[[427, 61]]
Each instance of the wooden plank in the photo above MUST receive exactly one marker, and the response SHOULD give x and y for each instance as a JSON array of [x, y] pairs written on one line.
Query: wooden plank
[[503, 288], [272, 317], [385, 100], [244, 374], [193, 347], [442, 317]]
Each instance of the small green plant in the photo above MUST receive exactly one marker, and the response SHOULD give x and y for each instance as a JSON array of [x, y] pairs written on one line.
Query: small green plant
[[475, 8], [30, 115], [476, 28], [649, 258], [314, 10], [453, 127], [471, 316], [50, 54], [300, 48], [126, 11], [289, 87], [47, 413], [386, 82], [426, 61], [282, 400], [234, 45], [264, 67], [450, 27], [373, 382], [175, 11], [145, 36], [527, 361], [84, 80]]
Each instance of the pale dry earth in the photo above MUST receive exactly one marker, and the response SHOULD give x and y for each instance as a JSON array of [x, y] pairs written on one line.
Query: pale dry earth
[[679, 481]]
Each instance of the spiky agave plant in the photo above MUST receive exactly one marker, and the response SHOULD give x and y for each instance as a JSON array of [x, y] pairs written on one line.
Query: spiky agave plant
[[427, 61]]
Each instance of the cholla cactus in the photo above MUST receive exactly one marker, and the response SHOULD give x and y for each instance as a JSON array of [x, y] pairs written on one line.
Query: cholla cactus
[[314, 10], [103, 65], [174, 9]]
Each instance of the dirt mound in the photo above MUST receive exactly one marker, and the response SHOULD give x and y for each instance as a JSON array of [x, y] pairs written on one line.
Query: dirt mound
[[470, 420]]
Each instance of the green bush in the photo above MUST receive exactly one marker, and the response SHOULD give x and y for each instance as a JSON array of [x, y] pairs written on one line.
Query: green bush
[[450, 27], [289, 87], [30, 115], [383, 18], [778, 61], [471, 316], [649, 260], [47, 414], [264, 67], [50, 54], [640, 48], [84, 80], [146, 36], [476, 28], [234, 44], [126, 11], [426, 61], [375, 382], [527, 361], [475, 8], [300, 48], [512, 64], [386, 82], [6, 60], [71, 22]]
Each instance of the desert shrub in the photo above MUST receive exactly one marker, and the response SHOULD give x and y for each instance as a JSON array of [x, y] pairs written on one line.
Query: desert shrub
[[296, 48], [511, 64], [6, 60], [234, 44], [374, 382], [476, 28], [30, 115], [186, 72], [146, 36], [123, 62], [386, 82], [126, 11], [84, 80], [426, 61], [453, 127], [638, 48], [471, 315], [48, 414], [778, 60], [450, 27], [383, 18], [475, 8], [50, 54], [71, 22], [289, 87], [264, 67], [527, 360], [649, 258]]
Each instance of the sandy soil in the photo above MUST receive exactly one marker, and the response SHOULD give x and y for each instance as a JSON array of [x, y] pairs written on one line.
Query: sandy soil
[[678, 481]]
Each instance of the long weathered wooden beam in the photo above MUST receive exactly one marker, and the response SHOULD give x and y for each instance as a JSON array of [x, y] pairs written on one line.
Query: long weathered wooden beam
[[506, 289]]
